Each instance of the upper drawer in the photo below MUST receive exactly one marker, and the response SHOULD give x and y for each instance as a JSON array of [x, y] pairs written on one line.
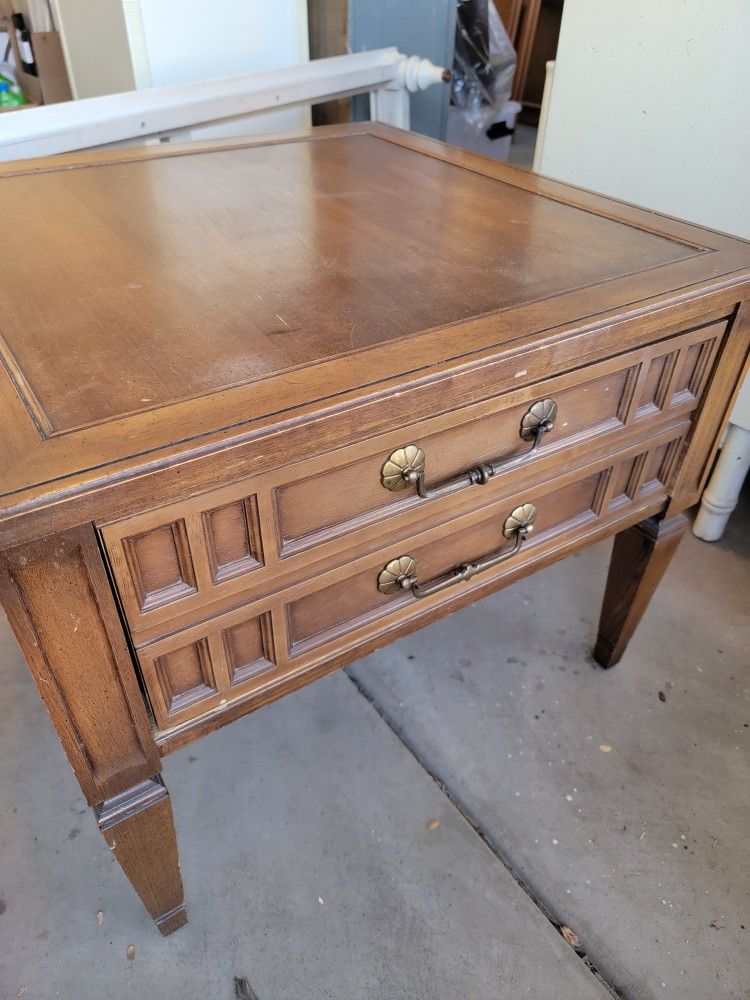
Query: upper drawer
[[461, 455], [172, 562]]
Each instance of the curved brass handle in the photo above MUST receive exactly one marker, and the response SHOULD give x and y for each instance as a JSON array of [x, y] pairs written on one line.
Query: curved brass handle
[[401, 573], [405, 466]]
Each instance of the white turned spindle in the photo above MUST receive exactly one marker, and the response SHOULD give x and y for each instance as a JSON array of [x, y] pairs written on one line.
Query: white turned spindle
[[720, 497]]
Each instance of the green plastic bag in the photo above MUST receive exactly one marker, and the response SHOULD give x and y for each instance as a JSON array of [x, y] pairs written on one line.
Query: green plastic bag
[[11, 96]]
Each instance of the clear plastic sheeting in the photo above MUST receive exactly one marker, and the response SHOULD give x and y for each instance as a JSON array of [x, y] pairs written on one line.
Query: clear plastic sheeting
[[483, 65]]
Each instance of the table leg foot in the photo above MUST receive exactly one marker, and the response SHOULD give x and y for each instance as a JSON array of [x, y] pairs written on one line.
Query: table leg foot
[[138, 828], [173, 920], [640, 557]]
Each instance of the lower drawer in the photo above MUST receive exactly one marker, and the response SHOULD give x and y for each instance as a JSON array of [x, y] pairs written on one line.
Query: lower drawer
[[247, 652]]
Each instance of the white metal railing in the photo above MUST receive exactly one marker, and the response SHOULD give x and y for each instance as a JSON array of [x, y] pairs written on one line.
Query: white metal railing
[[387, 75]]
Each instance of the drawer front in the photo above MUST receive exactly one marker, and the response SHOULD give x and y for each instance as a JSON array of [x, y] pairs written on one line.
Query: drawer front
[[178, 562], [243, 654], [594, 406], [356, 599], [333, 611]]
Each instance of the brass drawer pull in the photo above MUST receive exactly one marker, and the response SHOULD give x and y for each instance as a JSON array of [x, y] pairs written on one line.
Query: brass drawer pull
[[401, 573], [405, 466]]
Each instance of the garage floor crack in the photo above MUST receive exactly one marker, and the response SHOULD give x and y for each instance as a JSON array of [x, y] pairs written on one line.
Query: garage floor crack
[[489, 841]]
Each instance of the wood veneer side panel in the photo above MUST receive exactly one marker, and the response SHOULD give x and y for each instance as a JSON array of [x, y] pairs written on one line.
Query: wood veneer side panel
[[60, 606], [328, 27], [730, 370]]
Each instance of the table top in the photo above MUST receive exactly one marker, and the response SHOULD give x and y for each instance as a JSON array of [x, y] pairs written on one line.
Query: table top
[[150, 297]]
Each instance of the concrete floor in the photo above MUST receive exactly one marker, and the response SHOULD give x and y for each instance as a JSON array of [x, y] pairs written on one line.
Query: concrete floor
[[312, 860]]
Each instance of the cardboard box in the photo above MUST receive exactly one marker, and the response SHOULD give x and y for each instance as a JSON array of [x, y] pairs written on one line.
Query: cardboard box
[[51, 85], [50, 64]]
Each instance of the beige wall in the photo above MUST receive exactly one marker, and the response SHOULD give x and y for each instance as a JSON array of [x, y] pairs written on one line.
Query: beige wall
[[93, 40], [651, 104]]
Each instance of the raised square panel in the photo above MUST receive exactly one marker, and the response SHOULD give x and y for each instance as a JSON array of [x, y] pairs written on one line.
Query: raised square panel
[[184, 677], [654, 388], [249, 649], [655, 470], [160, 565], [233, 539], [692, 369], [624, 479]]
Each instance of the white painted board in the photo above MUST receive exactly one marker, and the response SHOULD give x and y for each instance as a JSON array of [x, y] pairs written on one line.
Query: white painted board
[[195, 41]]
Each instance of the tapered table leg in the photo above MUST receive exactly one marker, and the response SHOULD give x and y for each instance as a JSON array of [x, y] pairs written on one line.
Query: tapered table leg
[[138, 828], [640, 556], [60, 605]]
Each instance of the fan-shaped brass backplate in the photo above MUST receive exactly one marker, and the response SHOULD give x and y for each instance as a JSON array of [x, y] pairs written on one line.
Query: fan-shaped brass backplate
[[544, 410], [395, 472], [398, 571], [520, 519]]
